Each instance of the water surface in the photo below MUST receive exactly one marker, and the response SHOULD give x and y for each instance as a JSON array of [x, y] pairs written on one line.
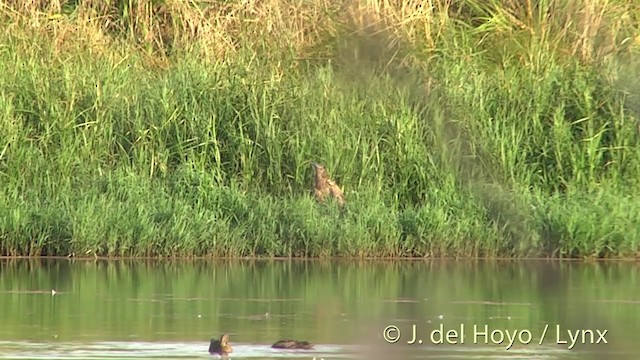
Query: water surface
[[170, 309]]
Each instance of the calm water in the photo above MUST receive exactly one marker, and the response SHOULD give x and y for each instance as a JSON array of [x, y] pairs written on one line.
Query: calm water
[[153, 310]]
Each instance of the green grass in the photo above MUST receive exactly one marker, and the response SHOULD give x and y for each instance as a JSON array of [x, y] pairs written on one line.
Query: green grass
[[481, 136]]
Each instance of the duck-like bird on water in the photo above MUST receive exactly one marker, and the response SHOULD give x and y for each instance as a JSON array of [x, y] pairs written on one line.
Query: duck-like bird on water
[[220, 347], [292, 345], [323, 186]]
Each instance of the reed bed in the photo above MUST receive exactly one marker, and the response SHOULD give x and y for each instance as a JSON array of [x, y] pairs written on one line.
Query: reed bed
[[186, 128]]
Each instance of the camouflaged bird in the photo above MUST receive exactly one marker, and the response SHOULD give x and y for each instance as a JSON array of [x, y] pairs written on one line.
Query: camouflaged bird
[[220, 347], [292, 345], [323, 185]]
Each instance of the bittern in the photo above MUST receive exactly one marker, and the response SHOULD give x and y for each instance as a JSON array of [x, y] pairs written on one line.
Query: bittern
[[323, 186]]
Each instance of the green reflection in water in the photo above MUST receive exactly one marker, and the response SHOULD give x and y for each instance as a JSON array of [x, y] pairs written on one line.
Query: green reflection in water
[[325, 302]]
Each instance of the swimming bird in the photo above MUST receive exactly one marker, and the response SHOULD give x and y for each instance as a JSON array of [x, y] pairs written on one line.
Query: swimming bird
[[292, 344], [220, 347], [323, 185]]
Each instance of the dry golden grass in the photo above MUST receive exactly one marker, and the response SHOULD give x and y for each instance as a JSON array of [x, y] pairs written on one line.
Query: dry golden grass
[[590, 29]]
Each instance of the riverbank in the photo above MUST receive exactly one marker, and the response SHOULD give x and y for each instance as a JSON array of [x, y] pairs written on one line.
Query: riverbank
[[171, 130]]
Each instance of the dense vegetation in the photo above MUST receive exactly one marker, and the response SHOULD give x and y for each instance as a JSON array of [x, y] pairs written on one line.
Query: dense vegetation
[[186, 128]]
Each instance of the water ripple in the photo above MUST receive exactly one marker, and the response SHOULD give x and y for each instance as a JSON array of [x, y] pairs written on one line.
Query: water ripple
[[165, 350]]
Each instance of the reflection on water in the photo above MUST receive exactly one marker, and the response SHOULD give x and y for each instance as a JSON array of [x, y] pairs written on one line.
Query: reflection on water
[[159, 350], [145, 309], [151, 350]]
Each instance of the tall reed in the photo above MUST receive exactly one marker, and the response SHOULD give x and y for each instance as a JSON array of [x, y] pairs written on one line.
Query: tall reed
[[182, 128]]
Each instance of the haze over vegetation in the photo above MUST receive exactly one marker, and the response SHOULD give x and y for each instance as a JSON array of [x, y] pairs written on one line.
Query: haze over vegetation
[[187, 128]]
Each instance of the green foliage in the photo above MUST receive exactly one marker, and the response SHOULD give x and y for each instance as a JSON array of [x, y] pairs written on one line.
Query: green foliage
[[525, 152]]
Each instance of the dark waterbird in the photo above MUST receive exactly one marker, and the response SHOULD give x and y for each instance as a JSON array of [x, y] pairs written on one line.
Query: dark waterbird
[[220, 347], [292, 344]]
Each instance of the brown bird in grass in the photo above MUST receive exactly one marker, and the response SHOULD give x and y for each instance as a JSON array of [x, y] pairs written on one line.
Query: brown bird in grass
[[220, 347], [323, 185], [292, 345]]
